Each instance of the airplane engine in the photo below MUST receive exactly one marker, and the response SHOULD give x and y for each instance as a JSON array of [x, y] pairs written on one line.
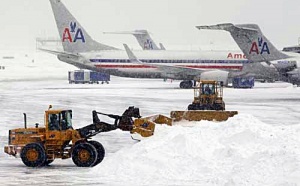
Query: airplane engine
[[288, 71], [216, 75], [285, 65], [294, 77], [295, 80]]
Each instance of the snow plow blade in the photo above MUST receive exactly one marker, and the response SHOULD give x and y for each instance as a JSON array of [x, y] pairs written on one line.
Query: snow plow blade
[[198, 115], [145, 126]]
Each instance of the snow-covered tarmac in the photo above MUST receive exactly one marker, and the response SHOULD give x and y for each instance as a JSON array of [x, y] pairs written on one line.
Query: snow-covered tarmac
[[260, 146]]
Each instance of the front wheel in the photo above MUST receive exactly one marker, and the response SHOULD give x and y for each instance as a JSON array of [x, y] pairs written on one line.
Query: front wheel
[[195, 107], [192, 107], [84, 155], [219, 106], [33, 155]]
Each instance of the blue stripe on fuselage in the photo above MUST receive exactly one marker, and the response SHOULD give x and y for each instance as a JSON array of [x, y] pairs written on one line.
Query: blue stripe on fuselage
[[168, 61]]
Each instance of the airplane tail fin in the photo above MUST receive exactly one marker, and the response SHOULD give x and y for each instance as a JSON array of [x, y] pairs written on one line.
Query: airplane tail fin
[[162, 47], [143, 38], [73, 36], [251, 41], [145, 41]]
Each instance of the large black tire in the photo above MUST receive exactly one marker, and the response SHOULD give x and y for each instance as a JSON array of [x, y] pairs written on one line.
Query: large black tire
[[195, 107], [84, 155], [33, 155], [192, 107], [223, 105], [219, 106], [100, 150]]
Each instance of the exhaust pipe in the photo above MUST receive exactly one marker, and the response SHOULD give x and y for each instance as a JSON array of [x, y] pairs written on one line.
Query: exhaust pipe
[[25, 121]]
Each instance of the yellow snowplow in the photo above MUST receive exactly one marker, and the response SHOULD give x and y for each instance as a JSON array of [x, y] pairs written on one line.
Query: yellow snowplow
[[208, 105]]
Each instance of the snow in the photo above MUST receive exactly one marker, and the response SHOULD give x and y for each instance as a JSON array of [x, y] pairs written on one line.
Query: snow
[[259, 146], [32, 66], [240, 151]]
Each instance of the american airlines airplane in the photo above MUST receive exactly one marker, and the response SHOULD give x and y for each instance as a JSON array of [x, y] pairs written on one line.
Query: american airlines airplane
[[257, 48], [143, 38], [83, 52]]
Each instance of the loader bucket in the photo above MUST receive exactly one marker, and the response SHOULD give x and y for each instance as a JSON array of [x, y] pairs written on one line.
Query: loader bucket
[[160, 119], [198, 115], [146, 126]]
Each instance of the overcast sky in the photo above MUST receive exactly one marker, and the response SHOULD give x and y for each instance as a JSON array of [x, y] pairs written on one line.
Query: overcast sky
[[171, 22]]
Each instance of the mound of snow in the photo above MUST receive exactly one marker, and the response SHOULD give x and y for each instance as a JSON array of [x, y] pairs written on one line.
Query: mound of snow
[[240, 151]]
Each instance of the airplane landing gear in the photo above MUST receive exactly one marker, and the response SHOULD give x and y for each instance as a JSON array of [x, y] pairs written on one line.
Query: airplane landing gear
[[186, 84]]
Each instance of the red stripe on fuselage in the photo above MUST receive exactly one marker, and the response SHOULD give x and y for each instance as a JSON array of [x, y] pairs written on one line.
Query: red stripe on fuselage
[[188, 66], [214, 66], [124, 66]]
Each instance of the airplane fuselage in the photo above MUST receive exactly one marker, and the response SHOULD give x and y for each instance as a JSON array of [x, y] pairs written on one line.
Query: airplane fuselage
[[200, 60]]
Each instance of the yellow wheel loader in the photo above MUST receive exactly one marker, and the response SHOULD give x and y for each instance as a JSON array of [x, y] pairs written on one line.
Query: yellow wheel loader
[[40, 146], [208, 95], [208, 104]]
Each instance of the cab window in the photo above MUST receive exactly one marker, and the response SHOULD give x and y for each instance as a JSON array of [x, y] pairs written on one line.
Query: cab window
[[53, 122], [208, 89], [66, 120], [61, 121]]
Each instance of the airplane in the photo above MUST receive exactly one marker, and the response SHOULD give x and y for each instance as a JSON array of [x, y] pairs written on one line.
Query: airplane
[[248, 69], [257, 48], [295, 49], [143, 38], [83, 52]]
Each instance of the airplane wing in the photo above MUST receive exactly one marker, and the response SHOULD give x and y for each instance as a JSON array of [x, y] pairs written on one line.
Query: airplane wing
[[166, 68], [76, 60], [58, 52]]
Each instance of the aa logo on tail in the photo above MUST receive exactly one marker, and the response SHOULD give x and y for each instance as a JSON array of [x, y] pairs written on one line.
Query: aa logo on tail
[[259, 47], [148, 44], [73, 34]]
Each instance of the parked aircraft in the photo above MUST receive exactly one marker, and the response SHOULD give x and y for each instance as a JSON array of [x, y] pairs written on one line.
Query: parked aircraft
[[82, 51], [258, 48], [143, 38], [295, 49]]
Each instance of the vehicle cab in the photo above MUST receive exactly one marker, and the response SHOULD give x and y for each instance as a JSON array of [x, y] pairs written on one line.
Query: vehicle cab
[[58, 124]]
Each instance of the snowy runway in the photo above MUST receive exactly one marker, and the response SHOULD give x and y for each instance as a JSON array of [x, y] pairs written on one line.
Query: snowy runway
[[261, 146]]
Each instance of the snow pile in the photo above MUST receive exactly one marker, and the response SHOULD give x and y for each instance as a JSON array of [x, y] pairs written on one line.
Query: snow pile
[[240, 151]]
